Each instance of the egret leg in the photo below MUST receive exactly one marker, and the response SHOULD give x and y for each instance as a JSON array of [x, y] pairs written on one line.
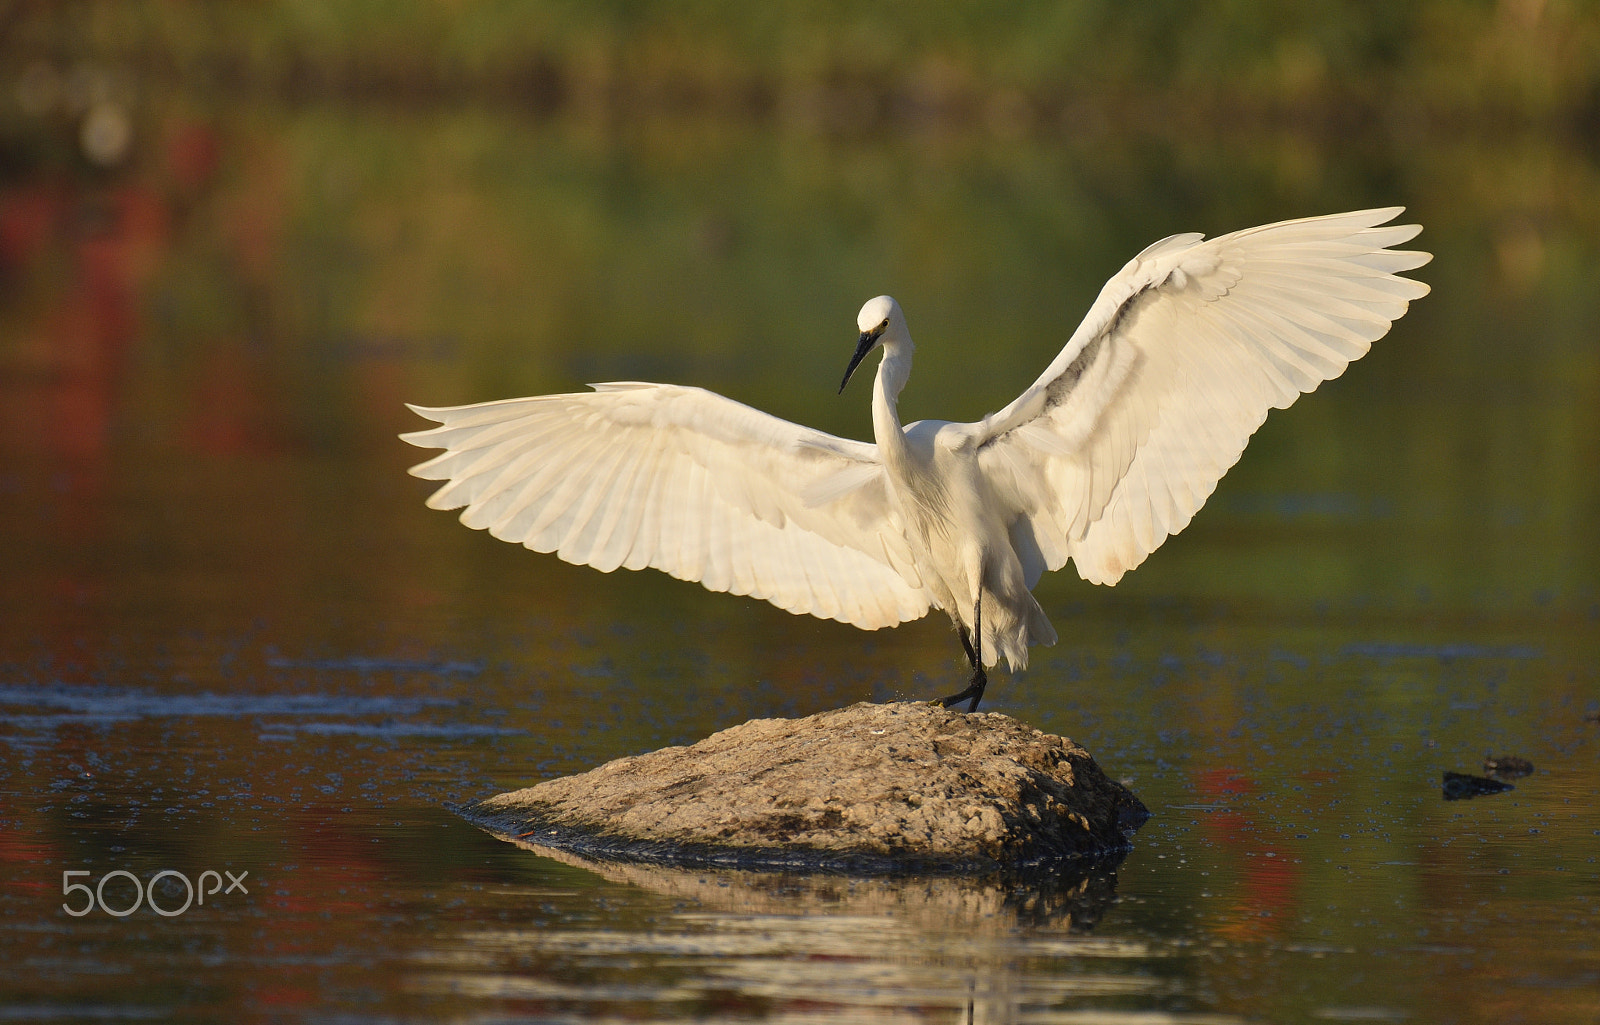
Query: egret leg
[[974, 649], [966, 645]]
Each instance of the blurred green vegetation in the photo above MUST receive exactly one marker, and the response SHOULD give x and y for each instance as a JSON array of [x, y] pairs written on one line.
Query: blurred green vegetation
[[1452, 63]]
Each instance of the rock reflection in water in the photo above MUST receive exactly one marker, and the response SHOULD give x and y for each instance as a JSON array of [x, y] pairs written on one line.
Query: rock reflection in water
[[1072, 897], [814, 946]]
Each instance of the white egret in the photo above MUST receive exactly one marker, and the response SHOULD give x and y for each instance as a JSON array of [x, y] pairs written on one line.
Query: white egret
[[1110, 451]]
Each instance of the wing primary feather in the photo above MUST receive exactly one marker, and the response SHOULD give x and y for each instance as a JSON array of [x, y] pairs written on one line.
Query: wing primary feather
[[646, 544], [738, 548], [719, 569], [550, 513], [499, 493], [614, 534], [596, 499]]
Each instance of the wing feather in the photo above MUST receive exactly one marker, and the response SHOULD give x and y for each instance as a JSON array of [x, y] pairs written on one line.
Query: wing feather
[[591, 512], [556, 487], [1125, 435], [719, 575], [647, 537], [685, 481], [619, 522]]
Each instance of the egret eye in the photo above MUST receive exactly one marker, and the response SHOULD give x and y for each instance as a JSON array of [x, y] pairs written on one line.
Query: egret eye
[[885, 325]]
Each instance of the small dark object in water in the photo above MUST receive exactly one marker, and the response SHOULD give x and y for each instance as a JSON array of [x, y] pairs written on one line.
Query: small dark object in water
[[1592, 717], [1507, 766], [1458, 786]]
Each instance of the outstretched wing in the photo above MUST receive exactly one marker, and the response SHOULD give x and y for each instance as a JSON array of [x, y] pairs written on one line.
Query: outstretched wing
[[685, 481], [1125, 435]]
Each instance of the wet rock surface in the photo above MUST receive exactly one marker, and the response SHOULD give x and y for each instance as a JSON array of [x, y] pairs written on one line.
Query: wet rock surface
[[869, 788]]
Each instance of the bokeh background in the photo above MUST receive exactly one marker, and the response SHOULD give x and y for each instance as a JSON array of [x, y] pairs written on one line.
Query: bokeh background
[[236, 237], [240, 234]]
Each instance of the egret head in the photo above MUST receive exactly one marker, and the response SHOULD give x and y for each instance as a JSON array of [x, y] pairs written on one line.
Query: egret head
[[875, 318]]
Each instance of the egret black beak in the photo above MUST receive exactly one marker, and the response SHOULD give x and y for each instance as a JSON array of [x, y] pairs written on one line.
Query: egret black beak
[[864, 346]]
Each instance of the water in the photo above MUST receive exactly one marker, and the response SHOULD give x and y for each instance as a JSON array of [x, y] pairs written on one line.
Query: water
[[233, 640]]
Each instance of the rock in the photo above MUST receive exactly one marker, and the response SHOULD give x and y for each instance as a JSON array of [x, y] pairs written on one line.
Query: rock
[[869, 788], [1508, 767]]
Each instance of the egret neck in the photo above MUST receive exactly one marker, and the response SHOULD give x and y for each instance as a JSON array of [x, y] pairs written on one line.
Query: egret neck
[[893, 372]]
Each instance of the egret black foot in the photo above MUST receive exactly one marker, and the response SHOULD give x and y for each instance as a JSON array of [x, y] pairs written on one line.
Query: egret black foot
[[974, 692]]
